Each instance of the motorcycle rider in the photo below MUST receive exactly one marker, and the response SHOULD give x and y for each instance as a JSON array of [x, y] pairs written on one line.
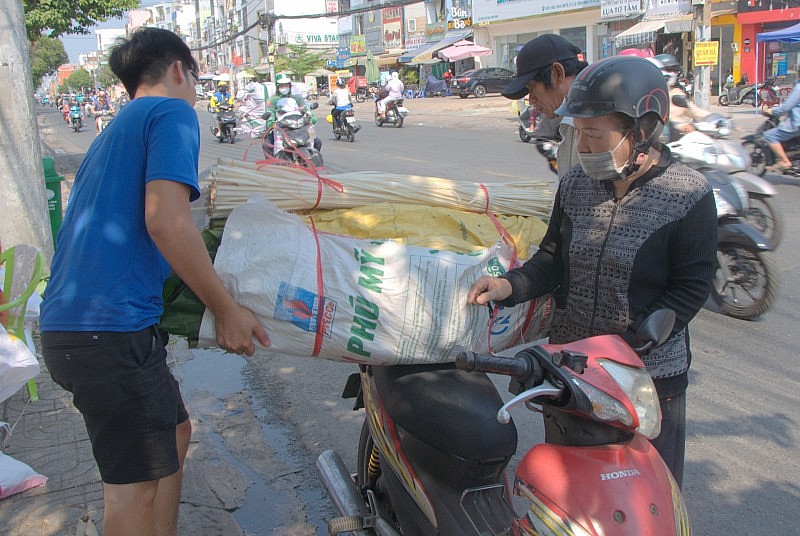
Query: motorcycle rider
[[395, 88], [546, 67], [221, 96], [102, 105], [632, 230], [787, 129], [283, 90], [341, 100], [680, 117]]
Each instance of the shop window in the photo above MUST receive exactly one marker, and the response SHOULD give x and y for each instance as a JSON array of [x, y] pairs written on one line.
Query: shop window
[[576, 36]]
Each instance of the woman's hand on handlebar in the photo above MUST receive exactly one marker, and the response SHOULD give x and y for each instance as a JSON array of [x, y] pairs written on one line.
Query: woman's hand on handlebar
[[488, 289]]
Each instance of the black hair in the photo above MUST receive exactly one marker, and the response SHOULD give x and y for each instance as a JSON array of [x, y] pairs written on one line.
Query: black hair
[[572, 66], [146, 55]]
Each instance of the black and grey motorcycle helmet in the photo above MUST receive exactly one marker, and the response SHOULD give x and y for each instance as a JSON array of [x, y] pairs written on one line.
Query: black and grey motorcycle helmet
[[625, 84]]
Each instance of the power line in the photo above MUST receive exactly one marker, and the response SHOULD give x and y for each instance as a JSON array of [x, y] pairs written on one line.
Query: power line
[[267, 19]]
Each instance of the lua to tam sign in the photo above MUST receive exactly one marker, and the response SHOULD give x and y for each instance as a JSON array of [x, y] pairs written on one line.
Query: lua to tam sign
[[706, 53]]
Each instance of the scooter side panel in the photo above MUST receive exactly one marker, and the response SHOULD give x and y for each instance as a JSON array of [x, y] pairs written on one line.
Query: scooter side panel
[[612, 489]]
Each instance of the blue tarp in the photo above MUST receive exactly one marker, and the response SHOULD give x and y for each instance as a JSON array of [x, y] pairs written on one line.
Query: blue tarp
[[786, 35]]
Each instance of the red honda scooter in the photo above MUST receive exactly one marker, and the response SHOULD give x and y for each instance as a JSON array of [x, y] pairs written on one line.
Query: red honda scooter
[[436, 441]]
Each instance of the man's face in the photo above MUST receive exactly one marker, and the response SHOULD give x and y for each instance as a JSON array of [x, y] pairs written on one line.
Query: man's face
[[547, 99]]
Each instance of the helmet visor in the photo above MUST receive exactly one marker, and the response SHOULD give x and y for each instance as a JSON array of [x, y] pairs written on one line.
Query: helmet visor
[[585, 109]]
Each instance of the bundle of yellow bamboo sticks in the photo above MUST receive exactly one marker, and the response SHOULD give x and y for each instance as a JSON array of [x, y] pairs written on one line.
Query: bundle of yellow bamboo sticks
[[232, 182]]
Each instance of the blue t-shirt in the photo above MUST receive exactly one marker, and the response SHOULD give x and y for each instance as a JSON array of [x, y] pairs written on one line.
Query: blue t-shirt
[[107, 274]]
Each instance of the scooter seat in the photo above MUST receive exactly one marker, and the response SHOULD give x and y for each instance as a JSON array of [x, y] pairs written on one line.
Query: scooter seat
[[449, 409]]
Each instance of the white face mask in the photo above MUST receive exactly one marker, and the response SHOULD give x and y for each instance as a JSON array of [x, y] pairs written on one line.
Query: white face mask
[[601, 166], [284, 90]]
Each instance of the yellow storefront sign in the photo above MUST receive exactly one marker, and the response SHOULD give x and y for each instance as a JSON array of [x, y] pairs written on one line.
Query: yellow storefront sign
[[706, 53]]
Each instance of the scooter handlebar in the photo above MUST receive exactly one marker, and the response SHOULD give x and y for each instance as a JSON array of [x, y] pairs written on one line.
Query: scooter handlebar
[[518, 367]]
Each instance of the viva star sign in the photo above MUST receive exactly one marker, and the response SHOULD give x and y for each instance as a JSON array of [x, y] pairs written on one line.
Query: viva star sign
[[314, 39]]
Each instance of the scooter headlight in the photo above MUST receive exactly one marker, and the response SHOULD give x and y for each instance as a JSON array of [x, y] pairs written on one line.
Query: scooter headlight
[[637, 386], [640, 390]]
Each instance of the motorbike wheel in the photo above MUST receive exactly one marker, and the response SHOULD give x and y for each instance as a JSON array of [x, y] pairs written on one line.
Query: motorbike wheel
[[758, 158], [361, 96], [765, 217], [364, 482], [398, 120], [378, 120], [337, 135], [351, 136], [232, 136], [524, 135], [723, 100], [745, 281]]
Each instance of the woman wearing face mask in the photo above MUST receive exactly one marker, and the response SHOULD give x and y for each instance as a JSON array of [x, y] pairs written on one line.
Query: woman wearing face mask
[[632, 230]]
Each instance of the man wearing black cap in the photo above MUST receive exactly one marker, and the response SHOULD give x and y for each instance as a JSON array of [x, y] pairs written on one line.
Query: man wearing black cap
[[546, 67]]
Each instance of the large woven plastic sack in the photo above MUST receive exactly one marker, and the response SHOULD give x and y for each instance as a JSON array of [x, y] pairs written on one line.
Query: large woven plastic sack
[[354, 300]]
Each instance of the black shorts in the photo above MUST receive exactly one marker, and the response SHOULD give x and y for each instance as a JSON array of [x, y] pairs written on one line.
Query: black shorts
[[129, 399]]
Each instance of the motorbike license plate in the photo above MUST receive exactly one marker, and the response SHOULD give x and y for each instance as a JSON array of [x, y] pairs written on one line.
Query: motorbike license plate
[[351, 119]]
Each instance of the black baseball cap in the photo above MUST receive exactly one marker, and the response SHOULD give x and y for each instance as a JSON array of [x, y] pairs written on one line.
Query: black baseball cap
[[537, 53]]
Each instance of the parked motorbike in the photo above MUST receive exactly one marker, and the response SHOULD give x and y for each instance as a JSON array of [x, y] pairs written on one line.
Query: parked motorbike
[[76, 117], [762, 156], [361, 94], [344, 124], [105, 118], [436, 441], [528, 122], [292, 139], [745, 94], [704, 148], [395, 112], [224, 127], [745, 282]]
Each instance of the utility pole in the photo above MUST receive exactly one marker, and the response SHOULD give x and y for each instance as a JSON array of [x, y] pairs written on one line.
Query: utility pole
[[24, 218], [702, 32]]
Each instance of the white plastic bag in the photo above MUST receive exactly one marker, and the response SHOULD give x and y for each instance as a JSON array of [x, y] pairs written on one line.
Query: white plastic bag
[[17, 364], [16, 477], [367, 301]]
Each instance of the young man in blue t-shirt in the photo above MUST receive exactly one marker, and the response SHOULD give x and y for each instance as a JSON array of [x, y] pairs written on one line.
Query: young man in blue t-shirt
[[127, 224]]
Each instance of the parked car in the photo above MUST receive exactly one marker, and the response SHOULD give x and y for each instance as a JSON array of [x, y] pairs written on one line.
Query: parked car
[[479, 82]]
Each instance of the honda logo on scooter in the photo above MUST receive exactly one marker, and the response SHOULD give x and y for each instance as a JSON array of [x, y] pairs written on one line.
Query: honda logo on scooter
[[619, 474]]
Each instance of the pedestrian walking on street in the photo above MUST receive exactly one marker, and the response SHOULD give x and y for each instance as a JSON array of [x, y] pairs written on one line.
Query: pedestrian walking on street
[[127, 224]]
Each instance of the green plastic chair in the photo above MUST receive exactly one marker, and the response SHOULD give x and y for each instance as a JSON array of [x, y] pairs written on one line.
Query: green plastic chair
[[24, 266]]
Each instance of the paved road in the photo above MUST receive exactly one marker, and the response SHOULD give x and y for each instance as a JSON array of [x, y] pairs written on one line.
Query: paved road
[[742, 464]]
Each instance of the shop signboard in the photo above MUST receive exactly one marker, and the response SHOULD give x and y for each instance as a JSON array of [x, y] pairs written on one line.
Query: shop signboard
[[358, 45], [392, 27], [619, 9], [485, 11], [706, 53], [459, 18], [779, 64]]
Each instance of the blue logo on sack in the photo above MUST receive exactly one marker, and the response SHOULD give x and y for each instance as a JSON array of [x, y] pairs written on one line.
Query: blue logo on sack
[[301, 307]]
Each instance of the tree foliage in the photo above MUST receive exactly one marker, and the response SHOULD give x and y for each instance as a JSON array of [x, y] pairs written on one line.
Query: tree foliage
[[299, 60], [79, 79], [47, 54], [105, 76], [59, 17]]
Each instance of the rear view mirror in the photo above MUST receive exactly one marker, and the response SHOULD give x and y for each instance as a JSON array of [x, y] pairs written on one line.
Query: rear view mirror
[[655, 329], [680, 101]]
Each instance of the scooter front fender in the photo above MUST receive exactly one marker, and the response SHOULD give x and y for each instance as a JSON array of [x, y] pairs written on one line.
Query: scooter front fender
[[743, 234], [755, 184], [621, 489]]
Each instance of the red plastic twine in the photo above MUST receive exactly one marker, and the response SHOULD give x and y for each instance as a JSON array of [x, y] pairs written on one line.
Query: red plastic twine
[[320, 293], [508, 239]]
